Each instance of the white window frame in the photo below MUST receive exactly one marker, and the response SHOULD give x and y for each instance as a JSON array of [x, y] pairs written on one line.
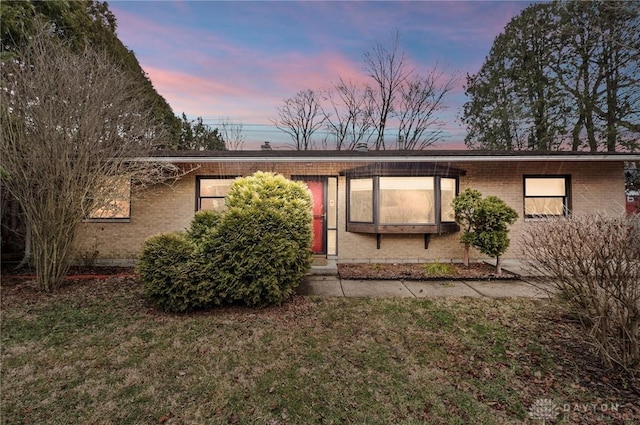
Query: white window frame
[[565, 198]]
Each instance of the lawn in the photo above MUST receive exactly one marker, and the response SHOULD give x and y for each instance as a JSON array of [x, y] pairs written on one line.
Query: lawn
[[97, 352]]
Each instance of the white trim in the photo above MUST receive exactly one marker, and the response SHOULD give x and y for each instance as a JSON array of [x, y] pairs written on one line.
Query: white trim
[[356, 158]]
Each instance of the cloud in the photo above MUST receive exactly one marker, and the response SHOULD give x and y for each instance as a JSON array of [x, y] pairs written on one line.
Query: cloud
[[242, 59], [226, 89], [197, 96]]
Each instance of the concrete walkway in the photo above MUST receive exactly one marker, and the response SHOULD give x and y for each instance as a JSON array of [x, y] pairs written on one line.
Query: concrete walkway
[[325, 282]]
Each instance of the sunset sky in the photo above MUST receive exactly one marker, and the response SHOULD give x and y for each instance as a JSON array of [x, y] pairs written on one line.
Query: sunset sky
[[239, 60]]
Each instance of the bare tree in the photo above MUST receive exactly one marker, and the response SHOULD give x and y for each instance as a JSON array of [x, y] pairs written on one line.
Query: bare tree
[[300, 117], [350, 118], [354, 115], [71, 123], [421, 98], [232, 133], [388, 67]]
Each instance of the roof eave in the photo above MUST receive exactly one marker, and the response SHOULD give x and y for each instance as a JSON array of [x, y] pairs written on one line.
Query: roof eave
[[398, 159]]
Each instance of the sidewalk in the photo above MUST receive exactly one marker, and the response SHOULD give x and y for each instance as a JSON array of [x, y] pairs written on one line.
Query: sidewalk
[[324, 281]]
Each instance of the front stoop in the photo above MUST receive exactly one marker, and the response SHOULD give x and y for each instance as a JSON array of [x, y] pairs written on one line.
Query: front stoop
[[324, 268]]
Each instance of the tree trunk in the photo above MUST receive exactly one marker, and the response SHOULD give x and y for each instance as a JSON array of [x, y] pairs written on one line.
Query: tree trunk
[[499, 266], [465, 259], [575, 134], [591, 133], [52, 249], [27, 247]]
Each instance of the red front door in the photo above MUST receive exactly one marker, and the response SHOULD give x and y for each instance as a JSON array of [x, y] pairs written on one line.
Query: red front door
[[317, 188]]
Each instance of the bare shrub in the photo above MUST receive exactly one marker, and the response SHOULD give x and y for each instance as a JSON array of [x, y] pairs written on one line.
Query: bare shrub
[[594, 262], [72, 122]]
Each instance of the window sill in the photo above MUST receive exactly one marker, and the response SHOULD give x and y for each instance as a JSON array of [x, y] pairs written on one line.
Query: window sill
[[107, 220], [416, 229], [544, 218]]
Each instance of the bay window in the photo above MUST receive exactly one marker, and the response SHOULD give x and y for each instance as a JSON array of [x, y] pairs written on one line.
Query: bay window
[[402, 198]]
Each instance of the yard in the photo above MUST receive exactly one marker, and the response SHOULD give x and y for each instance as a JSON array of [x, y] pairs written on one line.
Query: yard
[[97, 352]]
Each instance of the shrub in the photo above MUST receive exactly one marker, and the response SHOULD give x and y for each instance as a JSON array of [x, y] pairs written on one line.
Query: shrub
[[484, 224], [172, 275], [594, 262], [202, 222], [438, 269], [256, 253], [261, 248]]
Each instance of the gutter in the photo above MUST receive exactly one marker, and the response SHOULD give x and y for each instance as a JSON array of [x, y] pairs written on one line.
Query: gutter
[[397, 159]]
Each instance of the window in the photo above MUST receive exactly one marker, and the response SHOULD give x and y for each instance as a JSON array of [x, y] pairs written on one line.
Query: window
[[406, 200], [211, 193], [401, 198], [448, 189], [361, 200], [546, 196], [117, 205]]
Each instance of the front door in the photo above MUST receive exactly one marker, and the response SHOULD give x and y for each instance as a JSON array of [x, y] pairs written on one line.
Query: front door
[[317, 186]]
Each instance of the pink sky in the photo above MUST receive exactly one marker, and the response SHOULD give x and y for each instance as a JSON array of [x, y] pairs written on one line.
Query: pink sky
[[240, 60]]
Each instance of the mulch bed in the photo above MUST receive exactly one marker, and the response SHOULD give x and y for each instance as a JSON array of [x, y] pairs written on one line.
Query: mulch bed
[[417, 271], [74, 273]]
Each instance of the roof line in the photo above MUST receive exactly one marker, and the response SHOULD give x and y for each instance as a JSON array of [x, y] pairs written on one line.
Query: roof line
[[456, 158]]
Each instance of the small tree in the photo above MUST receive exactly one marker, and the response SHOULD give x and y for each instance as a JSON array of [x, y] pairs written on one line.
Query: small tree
[[465, 206], [491, 232], [484, 224]]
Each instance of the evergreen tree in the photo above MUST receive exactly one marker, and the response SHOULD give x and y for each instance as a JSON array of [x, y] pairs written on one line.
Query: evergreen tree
[[562, 75], [196, 135], [81, 23]]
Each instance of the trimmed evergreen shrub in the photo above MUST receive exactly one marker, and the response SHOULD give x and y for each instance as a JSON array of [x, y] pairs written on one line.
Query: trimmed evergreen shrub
[[261, 248], [172, 276], [484, 222], [202, 222], [255, 253]]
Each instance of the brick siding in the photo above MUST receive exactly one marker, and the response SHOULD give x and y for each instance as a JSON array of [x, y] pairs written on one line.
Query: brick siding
[[595, 187]]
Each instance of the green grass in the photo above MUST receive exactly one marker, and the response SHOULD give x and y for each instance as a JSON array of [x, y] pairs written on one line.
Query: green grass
[[438, 269], [101, 354]]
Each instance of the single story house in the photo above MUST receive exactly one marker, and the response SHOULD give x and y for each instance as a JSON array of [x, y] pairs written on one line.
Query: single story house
[[370, 206]]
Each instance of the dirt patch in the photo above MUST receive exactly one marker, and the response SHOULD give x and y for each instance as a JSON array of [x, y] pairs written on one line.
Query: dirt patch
[[420, 271], [74, 273]]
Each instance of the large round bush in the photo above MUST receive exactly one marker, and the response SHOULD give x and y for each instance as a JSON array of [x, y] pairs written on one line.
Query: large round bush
[[261, 248], [256, 252]]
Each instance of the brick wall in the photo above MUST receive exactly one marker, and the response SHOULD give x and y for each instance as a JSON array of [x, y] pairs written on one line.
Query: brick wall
[[595, 187]]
